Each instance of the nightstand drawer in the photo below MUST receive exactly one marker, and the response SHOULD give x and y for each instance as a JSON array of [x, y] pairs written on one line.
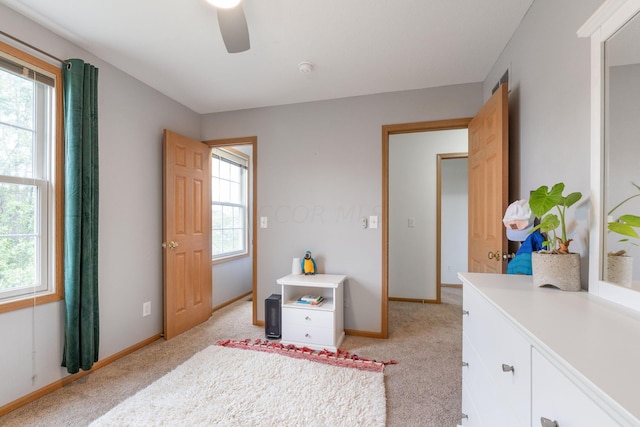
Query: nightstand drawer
[[307, 317], [307, 334]]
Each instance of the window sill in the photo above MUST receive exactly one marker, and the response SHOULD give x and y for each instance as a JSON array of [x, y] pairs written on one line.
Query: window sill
[[227, 259], [26, 302]]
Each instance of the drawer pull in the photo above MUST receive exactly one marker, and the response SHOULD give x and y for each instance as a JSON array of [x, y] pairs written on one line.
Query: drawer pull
[[507, 368], [546, 422], [465, 416], [465, 312], [307, 318], [307, 335], [465, 364]]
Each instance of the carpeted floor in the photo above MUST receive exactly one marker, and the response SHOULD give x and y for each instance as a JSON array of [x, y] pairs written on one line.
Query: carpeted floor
[[222, 386], [423, 389]]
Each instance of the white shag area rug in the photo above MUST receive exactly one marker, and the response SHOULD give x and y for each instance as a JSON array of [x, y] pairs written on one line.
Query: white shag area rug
[[222, 386]]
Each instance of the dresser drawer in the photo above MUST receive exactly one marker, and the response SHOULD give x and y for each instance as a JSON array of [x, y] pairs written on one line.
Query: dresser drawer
[[484, 404], [556, 398], [502, 350], [307, 317]]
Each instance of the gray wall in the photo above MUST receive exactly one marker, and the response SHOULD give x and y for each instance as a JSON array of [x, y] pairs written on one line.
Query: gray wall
[[319, 172], [132, 117], [454, 220], [231, 279], [549, 106]]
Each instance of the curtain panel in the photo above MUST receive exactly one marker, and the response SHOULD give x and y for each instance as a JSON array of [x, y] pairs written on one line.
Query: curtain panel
[[81, 216]]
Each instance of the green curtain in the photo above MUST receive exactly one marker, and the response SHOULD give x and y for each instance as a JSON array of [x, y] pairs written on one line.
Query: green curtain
[[81, 215]]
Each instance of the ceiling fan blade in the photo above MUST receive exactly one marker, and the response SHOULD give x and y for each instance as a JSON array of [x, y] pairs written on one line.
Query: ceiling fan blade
[[234, 30]]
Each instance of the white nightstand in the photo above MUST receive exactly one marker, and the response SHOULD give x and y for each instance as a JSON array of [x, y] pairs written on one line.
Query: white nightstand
[[317, 327]]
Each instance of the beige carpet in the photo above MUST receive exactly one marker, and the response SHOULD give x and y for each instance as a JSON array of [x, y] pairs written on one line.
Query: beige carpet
[[423, 389]]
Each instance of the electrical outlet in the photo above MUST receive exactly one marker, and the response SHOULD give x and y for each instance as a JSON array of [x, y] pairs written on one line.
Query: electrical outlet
[[146, 309], [263, 222], [411, 222], [363, 222]]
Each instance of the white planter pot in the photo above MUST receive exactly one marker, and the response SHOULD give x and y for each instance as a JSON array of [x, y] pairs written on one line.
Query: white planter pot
[[620, 270], [559, 270]]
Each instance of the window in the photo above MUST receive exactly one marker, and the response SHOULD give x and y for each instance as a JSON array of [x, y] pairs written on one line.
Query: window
[[229, 183], [30, 130]]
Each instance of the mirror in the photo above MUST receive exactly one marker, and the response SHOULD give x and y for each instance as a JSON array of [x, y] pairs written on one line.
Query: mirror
[[621, 154], [614, 30]]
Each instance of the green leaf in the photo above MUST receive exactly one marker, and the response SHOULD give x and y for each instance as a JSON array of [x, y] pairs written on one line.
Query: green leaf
[[624, 229], [542, 200], [632, 220], [571, 199], [549, 222]]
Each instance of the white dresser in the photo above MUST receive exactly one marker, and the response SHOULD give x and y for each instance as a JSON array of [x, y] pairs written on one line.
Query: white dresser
[[317, 327], [542, 357]]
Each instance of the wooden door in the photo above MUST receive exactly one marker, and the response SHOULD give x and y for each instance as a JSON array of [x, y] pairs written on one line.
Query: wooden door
[[489, 184], [186, 233]]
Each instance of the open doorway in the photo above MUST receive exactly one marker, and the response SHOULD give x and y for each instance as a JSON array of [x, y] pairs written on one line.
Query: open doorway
[[406, 222], [453, 218], [235, 276]]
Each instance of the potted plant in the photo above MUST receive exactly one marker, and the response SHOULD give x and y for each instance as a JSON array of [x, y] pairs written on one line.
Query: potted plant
[[619, 265], [556, 266]]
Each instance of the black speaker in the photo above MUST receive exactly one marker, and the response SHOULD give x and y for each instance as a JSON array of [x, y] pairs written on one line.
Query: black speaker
[[273, 316]]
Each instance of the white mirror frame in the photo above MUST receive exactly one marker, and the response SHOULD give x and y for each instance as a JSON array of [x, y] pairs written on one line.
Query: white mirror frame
[[608, 19]]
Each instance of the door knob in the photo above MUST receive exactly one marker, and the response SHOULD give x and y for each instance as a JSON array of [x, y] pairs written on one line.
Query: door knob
[[495, 255], [172, 245], [506, 256]]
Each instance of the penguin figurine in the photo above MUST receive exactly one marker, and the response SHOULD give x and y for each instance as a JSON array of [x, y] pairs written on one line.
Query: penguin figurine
[[308, 264]]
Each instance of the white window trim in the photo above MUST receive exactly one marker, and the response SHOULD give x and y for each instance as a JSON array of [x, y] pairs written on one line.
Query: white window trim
[[243, 161], [48, 179]]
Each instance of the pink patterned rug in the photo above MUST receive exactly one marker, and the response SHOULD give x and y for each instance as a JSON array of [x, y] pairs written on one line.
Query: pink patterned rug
[[340, 358]]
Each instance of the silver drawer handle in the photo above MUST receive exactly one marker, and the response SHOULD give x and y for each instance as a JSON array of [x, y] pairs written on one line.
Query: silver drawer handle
[[307, 335], [465, 312], [507, 368], [546, 422], [465, 416], [465, 364], [307, 318]]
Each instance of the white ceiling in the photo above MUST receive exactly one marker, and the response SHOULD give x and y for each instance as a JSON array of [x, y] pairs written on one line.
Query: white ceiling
[[358, 47]]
